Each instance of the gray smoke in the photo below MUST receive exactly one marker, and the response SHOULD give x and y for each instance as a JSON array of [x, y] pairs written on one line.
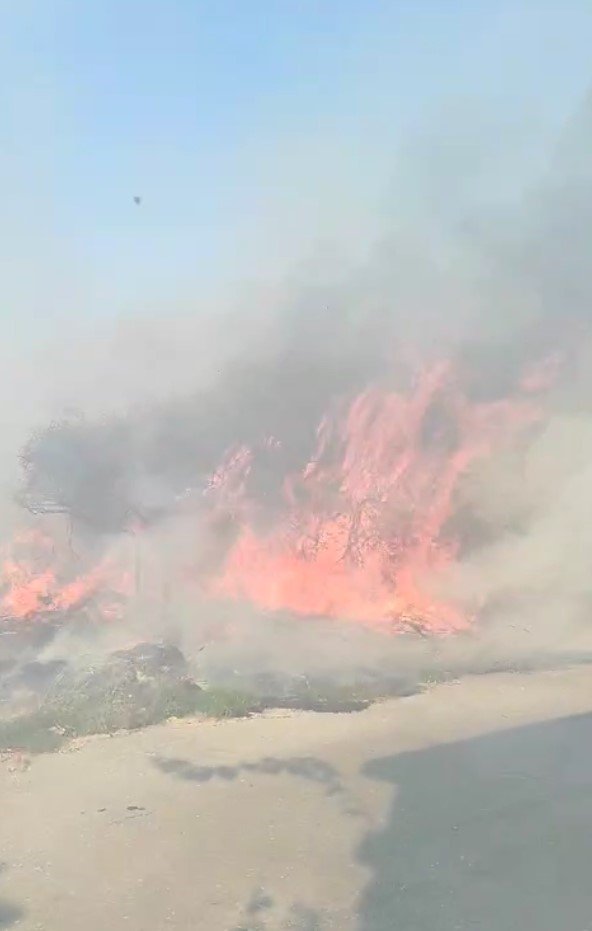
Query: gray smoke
[[494, 286]]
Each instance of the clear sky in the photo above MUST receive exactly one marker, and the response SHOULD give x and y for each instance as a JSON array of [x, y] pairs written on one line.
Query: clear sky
[[235, 120]]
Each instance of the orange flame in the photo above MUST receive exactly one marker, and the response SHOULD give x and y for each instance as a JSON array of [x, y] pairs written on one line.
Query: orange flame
[[30, 585], [363, 524], [362, 527]]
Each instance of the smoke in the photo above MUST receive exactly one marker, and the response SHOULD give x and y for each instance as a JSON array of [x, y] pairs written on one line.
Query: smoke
[[534, 573], [148, 408], [535, 501]]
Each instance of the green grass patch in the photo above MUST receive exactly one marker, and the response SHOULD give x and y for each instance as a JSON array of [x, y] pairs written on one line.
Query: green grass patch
[[76, 714], [150, 684], [227, 703]]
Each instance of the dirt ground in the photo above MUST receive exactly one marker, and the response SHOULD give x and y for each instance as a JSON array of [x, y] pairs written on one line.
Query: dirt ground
[[468, 806]]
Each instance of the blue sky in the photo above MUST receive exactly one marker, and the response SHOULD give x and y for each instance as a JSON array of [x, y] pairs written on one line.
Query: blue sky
[[241, 124]]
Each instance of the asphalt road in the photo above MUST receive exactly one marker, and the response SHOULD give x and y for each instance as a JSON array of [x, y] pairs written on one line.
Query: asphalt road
[[468, 807]]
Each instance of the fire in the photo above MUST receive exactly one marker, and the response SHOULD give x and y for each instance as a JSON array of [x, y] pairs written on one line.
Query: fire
[[31, 586], [363, 526]]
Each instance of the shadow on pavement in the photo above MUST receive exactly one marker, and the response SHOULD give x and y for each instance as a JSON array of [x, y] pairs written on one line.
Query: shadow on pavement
[[493, 833], [261, 914], [9, 913], [304, 767]]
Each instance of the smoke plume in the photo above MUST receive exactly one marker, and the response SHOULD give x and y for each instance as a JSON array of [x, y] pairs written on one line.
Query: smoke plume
[[497, 289]]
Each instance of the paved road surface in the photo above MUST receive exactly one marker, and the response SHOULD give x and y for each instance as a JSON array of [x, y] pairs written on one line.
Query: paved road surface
[[468, 807]]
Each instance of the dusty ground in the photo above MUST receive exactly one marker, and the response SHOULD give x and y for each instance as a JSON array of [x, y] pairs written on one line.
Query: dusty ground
[[469, 806]]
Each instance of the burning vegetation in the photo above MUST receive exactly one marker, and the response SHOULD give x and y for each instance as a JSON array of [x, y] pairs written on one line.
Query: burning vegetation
[[346, 464], [354, 522], [365, 523]]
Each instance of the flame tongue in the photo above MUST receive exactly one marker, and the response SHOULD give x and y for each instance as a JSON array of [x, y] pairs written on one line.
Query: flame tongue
[[364, 523], [360, 531], [31, 583]]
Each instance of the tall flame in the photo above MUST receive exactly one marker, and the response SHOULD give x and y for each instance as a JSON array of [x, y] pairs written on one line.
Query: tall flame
[[364, 524], [361, 528]]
